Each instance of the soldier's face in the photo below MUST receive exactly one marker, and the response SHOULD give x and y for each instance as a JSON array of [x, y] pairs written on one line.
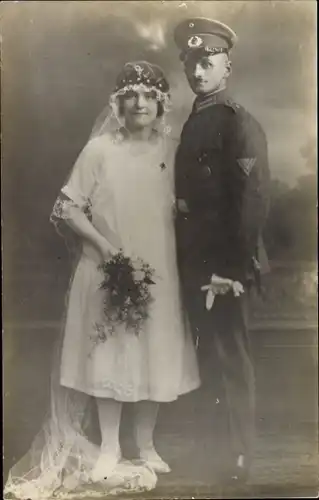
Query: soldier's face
[[208, 73], [139, 109]]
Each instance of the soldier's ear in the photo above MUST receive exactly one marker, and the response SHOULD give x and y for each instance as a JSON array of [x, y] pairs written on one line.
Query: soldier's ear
[[228, 67]]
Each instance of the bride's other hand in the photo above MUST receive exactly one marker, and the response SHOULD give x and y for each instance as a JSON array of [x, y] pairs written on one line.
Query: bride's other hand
[[107, 250]]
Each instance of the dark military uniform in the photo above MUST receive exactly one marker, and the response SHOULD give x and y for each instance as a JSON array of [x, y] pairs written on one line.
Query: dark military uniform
[[222, 176]]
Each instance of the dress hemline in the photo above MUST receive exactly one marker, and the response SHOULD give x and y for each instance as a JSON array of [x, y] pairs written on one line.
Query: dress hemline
[[109, 394]]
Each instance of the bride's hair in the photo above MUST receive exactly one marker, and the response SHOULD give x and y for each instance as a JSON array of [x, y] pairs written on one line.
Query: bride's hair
[[142, 72]]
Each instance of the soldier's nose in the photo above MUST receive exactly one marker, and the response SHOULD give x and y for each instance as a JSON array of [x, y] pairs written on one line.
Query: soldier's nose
[[198, 71]]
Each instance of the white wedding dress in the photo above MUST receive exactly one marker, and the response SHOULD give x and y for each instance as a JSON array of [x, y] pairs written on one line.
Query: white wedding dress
[[127, 188]]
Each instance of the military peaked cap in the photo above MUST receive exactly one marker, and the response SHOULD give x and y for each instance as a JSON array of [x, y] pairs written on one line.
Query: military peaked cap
[[206, 34]]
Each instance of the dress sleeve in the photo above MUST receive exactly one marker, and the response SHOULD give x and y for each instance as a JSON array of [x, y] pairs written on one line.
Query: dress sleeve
[[77, 192]]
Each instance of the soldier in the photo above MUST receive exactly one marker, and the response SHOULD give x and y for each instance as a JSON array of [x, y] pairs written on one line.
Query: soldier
[[221, 180]]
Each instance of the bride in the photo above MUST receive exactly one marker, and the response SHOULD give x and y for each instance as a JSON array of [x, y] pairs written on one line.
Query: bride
[[119, 197]]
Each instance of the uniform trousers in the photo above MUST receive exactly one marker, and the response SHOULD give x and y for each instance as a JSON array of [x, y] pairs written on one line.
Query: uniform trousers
[[226, 361]]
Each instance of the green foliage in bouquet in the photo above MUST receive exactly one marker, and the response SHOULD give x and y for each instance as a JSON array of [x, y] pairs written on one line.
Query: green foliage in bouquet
[[127, 292]]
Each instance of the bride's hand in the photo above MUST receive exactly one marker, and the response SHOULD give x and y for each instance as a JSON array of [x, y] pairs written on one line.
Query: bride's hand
[[107, 250]]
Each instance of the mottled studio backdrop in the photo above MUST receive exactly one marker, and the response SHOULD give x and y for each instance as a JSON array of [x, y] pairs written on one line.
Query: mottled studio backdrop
[[59, 63]]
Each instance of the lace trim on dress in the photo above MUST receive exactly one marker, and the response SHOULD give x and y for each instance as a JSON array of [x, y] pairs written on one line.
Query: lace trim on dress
[[121, 390], [63, 207]]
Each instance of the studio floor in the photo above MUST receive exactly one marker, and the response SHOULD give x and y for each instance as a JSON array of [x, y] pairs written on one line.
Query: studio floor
[[286, 453]]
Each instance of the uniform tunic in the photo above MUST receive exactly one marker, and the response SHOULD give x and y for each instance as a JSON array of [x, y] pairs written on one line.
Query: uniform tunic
[[222, 176]]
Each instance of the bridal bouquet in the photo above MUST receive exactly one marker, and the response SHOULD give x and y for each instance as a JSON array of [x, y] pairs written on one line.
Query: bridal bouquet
[[127, 292]]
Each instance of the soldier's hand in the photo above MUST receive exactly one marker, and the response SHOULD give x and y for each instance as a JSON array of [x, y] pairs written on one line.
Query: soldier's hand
[[220, 282], [220, 286]]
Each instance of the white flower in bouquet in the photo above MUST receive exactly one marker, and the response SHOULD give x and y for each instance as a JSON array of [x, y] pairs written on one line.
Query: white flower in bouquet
[[138, 275]]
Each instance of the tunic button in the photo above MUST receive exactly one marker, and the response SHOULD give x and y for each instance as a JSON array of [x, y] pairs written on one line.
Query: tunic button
[[206, 171]]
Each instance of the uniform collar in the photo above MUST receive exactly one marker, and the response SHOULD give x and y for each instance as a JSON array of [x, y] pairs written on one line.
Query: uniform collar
[[207, 100]]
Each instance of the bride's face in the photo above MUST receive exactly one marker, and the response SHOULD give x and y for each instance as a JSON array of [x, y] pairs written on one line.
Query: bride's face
[[140, 109]]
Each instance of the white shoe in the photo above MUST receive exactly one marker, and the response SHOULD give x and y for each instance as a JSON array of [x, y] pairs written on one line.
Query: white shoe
[[153, 460], [105, 465]]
